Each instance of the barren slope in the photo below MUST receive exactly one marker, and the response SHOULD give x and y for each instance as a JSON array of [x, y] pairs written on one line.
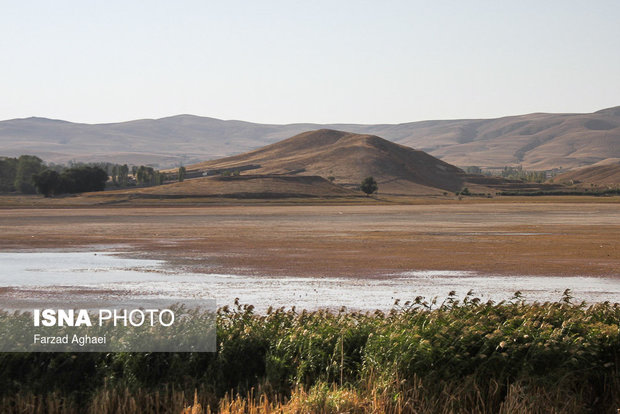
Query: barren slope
[[536, 141], [244, 186], [349, 158], [599, 175]]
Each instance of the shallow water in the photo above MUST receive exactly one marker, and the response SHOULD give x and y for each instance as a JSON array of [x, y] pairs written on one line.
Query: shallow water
[[28, 278]]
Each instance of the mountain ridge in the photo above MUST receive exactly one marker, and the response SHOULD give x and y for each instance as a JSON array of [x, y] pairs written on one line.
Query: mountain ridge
[[536, 141]]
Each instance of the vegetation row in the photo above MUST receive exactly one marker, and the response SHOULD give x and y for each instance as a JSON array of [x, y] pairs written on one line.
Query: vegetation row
[[28, 174], [455, 356]]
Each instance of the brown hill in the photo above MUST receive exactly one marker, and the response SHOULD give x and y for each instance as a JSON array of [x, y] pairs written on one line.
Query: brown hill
[[599, 175], [349, 158]]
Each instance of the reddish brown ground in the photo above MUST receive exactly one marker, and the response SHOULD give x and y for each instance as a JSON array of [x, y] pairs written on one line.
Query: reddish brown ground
[[331, 240]]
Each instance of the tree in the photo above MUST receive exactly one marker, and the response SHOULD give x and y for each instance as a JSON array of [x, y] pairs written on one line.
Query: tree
[[8, 168], [145, 175], [27, 166], [115, 175], [47, 182], [148, 176], [72, 180], [369, 185], [182, 172], [83, 179], [123, 175]]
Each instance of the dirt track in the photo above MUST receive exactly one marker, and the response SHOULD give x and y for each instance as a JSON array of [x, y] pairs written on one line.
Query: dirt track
[[507, 238]]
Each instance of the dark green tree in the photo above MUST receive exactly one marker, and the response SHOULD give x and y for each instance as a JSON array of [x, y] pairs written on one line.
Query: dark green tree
[[144, 175], [140, 174], [27, 166], [83, 179], [48, 182], [123, 175], [182, 172], [8, 169], [115, 175], [369, 185]]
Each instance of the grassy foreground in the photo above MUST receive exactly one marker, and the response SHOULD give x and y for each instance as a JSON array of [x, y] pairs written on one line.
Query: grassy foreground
[[456, 356]]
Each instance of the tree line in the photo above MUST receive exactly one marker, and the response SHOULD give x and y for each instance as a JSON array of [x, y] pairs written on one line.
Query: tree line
[[16, 173], [511, 173], [29, 174]]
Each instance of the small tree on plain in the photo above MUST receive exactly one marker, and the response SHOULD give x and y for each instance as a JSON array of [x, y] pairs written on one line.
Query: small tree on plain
[[369, 185], [182, 172]]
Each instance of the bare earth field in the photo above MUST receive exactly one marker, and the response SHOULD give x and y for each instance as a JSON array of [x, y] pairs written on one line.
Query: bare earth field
[[521, 237]]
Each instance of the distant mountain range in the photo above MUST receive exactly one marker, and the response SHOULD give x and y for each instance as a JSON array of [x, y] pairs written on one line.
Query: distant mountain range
[[536, 141]]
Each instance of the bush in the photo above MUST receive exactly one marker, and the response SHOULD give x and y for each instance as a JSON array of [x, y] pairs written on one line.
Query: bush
[[369, 185]]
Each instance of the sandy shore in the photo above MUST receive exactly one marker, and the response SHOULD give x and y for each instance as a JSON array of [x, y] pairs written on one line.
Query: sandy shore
[[519, 238]]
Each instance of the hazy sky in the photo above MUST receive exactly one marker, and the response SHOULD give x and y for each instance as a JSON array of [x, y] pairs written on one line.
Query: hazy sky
[[307, 61]]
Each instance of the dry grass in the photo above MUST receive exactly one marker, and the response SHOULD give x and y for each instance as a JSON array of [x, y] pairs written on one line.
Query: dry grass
[[603, 175], [241, 187], [323, 399], [119, 199], [463, 398]]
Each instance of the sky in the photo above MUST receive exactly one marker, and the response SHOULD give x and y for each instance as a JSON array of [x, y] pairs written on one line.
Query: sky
[[306, 61]]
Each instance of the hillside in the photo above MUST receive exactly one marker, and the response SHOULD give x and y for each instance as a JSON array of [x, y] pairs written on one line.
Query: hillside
[[598, 175], [537, 141], [349, 158], [240, 187]]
